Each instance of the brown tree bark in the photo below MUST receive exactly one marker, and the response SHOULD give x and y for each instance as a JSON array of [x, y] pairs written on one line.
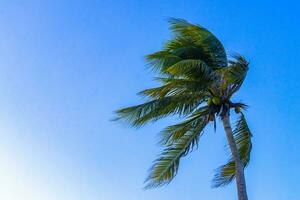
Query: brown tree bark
[[239, 166]]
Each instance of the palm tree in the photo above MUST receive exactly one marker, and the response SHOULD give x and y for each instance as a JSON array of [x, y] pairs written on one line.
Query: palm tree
[[197, 82]]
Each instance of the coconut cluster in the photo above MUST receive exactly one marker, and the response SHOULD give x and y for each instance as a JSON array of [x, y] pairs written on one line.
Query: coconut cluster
[[213, 101], [216, 101]]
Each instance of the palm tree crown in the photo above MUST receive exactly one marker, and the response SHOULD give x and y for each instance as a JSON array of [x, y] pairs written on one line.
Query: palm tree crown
[[197, 82]]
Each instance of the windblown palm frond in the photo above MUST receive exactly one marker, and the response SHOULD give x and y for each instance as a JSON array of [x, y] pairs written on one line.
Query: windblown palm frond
[[190, 42], [180, 140], [177, 87], [173, 133], [236, 73], [162, 60], [242, 135], [212, 50], [192, 69], [158, 108]]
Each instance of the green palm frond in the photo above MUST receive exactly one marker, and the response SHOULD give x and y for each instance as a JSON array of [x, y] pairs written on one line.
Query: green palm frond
[[173, 133], [184, 47], [242, 135], [190, 42], [162, 60], [191, 35], [192, 69], [158, 108], [166, 166], [236, 73], [177, 87]]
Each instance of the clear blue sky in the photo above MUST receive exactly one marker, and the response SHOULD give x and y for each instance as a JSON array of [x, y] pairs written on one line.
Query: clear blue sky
[[66, 65]]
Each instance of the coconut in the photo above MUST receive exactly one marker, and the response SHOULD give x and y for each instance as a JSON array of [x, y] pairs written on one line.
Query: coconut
[[237, 109], [216, 100]]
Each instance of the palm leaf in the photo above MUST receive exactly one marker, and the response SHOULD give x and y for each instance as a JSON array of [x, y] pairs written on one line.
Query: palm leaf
[[166, 166], [192, 69], [212, 50], [242, 135], [236, 73], [161, 60], [158, 108], [177, 87], [173, 133]]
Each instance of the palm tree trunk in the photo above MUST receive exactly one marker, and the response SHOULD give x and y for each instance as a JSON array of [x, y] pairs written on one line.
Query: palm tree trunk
[[240, 177]]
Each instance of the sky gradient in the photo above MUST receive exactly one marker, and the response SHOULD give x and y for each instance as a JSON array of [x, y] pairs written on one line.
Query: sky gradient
[[65, 66]]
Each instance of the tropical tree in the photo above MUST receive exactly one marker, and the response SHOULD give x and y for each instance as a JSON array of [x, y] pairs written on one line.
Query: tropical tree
[[197, 82]]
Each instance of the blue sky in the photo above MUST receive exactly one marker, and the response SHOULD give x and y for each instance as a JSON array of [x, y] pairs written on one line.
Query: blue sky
[[66, 65]]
